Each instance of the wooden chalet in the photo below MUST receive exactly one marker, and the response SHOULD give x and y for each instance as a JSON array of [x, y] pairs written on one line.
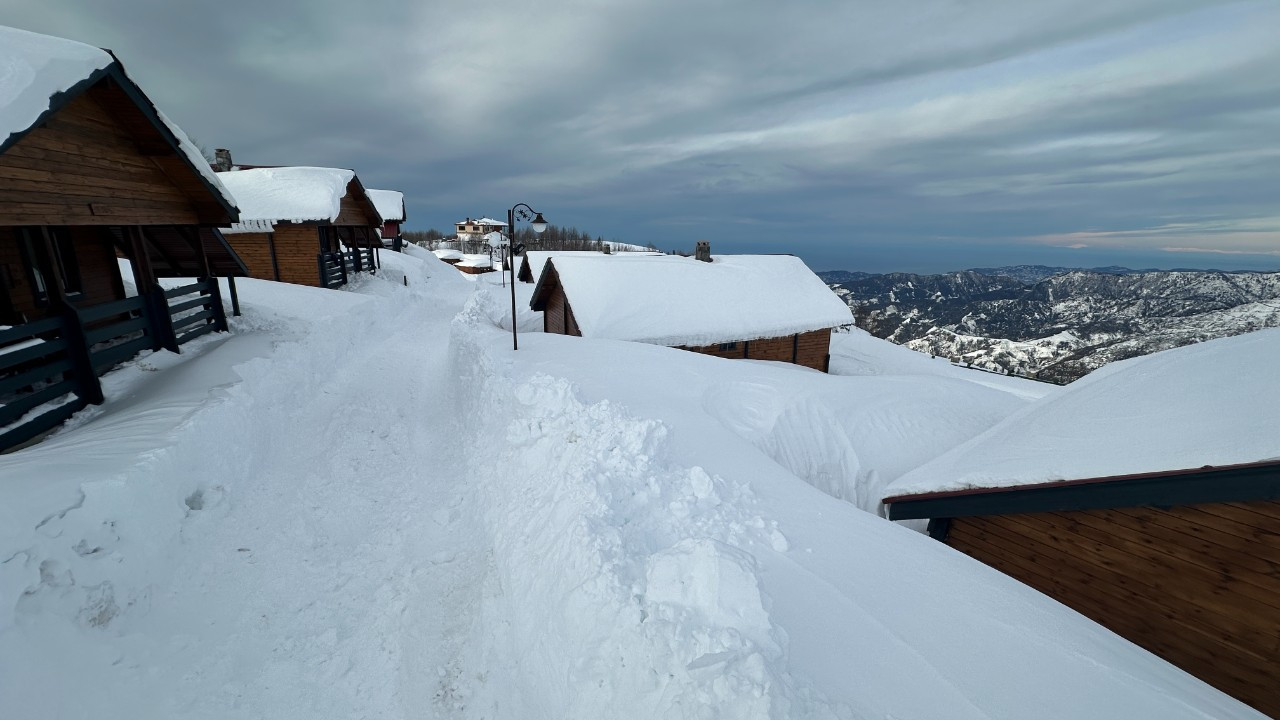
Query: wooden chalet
[[89, 170], [390, 205], [757, 307], [1146, 496], [1184, 563], [303, 225]]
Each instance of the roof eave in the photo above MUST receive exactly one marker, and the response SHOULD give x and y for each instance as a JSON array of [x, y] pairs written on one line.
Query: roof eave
[[1245, 482]]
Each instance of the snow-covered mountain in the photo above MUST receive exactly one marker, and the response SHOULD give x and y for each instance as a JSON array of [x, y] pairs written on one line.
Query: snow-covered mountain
[[1064, 325]]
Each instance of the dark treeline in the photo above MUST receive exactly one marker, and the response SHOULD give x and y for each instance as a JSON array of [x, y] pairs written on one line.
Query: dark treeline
[[553, 238]]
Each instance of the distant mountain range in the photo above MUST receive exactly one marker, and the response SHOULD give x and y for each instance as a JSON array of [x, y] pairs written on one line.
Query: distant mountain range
[[1055, 323]]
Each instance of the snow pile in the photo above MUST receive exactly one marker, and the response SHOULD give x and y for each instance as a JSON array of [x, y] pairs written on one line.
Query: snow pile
[[672, 300], [650, 563], [389, 203], [854, 351], [447, 254], [287, 194], [1208, 404]]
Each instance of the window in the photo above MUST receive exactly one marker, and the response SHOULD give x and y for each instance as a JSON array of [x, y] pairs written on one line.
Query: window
[[728, 346], [42, 269]]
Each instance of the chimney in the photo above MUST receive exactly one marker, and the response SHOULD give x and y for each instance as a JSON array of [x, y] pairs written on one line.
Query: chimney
[[702, 251], [222, 159]]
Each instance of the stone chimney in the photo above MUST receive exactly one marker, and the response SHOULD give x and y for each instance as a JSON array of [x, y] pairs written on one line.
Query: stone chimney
[[702, 251], [222, 159]]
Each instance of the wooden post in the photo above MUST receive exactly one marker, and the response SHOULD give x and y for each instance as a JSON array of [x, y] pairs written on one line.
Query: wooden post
[[275, 262], [85, 379], [156, 305], [323, 270], [342, 265], [215, 304], [235, 298]]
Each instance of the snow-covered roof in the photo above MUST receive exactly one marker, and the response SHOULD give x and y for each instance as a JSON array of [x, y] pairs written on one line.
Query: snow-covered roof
[[482, 221], [447, 254], [286, 194], [478, 261], [389, 203], [673, 300], [35, 67], [537, 259], [1208, 404]]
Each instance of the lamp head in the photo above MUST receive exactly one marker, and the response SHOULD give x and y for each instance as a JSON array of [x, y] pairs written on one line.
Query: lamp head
[[538, 223]]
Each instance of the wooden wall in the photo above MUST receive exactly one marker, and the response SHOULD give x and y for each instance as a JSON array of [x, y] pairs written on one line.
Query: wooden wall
[[353, 212], [255, 250], [83, 168], [810, 349], [297, 247], [813, 349], [557, 317], [1197, 585]]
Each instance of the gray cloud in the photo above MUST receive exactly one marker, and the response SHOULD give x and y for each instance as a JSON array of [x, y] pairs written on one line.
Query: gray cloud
[[844, 131]]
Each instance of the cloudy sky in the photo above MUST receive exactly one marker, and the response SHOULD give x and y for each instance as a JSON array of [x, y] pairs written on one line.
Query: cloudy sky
[[864, 134]]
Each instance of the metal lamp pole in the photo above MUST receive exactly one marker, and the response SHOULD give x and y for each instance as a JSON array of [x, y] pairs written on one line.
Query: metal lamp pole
[[538, 225]]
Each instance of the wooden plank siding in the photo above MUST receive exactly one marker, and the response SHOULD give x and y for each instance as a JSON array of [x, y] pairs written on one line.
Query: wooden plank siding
[[296, 249], [83, 167], [255, 250], [810, 349], [353, 212], [1197, 585]]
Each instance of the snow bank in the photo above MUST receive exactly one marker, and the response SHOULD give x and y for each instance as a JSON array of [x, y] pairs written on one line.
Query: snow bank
[[1208, 404], [856, 352], [287, 194], [649, 562], [389, 203], [672, 300]]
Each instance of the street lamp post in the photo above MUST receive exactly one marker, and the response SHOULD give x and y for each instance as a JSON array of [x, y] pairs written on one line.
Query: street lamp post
[[524, 212]]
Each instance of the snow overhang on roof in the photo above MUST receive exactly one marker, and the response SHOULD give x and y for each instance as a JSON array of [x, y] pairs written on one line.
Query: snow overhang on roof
[[1209, 404], [672, 300], [41, 73], [287, 194], [389, 203]]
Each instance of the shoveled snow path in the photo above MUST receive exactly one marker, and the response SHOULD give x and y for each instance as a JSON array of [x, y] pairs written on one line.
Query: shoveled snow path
[[333, 562], [300, 544], [353, 563]]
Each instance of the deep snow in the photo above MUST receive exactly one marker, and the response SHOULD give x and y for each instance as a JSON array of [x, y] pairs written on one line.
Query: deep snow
[[364, 504], [1214, 403]]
